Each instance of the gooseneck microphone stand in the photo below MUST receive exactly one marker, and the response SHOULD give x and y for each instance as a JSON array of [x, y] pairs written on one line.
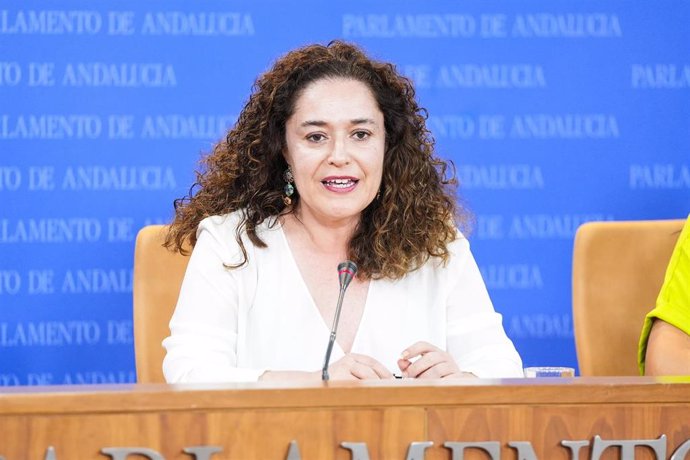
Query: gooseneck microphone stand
[[346, 271]]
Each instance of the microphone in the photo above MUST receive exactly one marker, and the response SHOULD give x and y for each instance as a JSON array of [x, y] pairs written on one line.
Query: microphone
[[346, 271]]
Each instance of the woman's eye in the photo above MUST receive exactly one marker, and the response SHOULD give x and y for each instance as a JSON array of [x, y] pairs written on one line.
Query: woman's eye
[[316, 137], [361, 135]]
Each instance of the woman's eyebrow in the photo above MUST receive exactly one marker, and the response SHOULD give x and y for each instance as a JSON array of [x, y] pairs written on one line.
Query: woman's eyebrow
[[313, 123], [362, 121], [354, 121]]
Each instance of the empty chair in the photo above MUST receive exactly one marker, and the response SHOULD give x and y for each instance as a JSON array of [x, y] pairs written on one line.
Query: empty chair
[[158, 274]]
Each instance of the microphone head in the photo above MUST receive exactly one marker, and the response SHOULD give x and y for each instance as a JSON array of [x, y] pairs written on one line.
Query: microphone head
[[346, 271]]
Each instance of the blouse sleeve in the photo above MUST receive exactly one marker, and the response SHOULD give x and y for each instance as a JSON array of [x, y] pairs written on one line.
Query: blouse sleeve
[[673, 302], [475, 334], [202, 347]]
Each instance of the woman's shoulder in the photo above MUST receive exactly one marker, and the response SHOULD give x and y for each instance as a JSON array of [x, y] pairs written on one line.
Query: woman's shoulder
[[678, 270], [458, 248], [229, 223], [224, 229], [460, 240], [684, 238], [219, 227]]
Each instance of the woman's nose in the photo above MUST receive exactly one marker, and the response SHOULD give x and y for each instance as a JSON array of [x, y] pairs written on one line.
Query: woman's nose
[[339, 154]]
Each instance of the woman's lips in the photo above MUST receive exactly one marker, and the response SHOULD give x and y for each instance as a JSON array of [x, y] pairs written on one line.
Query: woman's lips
[[340, 184]]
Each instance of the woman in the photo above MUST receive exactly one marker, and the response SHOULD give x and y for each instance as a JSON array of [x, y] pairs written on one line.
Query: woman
[[665, 340], [330, 160]]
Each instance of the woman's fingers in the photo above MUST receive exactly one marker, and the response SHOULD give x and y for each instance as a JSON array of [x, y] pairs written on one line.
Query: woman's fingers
[[358, 366], [378, 369], [363, 372], [421, 360], [417, 349], [438, 371], [417, 358], [425, 361]]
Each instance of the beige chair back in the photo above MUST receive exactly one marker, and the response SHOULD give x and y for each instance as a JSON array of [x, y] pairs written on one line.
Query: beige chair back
[[618, 269], [158, 275]]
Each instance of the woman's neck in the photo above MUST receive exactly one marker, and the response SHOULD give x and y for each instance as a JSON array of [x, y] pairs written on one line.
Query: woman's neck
[[326, 236]]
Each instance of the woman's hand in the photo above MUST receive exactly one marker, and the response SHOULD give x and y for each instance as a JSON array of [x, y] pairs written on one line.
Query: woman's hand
[[350, 367], [432, 363], [354, 366]]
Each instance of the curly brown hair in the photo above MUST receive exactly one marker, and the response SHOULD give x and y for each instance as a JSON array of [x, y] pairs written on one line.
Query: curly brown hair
[[414, 218]]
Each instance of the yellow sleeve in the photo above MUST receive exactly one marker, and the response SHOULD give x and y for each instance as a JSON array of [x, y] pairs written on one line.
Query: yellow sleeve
[[673, 303]]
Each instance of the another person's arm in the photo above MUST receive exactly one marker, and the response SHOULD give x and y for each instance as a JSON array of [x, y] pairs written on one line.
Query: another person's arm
[[665, 340], [668, 350]]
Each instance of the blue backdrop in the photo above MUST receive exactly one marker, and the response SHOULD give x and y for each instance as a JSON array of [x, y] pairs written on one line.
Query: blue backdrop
[[555, 113]]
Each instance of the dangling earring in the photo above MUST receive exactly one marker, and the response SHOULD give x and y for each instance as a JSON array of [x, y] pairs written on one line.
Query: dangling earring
[[289, 188]]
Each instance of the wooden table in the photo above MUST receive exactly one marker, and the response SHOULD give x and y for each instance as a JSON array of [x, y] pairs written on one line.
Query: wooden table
[[259, 420]]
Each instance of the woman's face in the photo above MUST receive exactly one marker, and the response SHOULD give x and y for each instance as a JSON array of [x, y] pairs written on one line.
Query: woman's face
[[335, 145]]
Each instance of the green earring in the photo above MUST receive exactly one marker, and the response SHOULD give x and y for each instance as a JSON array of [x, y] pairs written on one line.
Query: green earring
[[289, 188]]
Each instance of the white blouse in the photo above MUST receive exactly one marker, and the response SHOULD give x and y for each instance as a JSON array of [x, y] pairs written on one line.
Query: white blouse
[[234, 324]]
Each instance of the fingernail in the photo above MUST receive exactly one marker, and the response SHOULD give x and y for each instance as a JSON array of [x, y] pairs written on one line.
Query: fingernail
[[404, 354]]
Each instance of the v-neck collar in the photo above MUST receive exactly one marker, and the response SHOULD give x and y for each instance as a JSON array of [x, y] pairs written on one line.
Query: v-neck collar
[[314, 308]]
